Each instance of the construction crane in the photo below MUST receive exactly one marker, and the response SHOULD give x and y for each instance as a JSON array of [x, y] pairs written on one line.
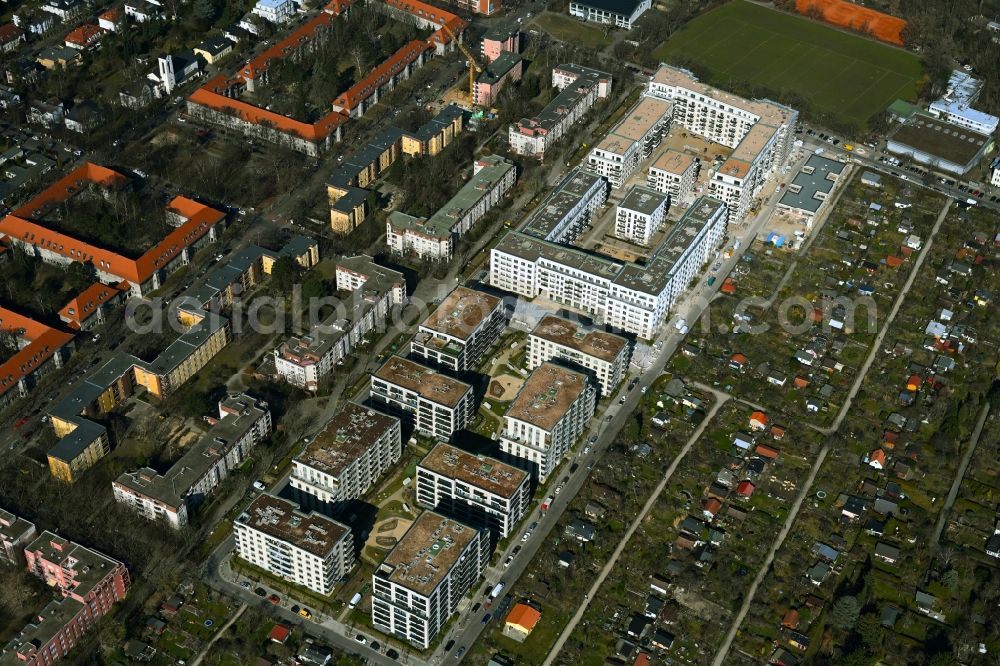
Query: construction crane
[[474, 66]]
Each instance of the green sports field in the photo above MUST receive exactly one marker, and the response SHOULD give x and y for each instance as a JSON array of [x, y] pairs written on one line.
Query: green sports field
[[845, 75]]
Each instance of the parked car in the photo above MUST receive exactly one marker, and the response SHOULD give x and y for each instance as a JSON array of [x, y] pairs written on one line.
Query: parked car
[[392, 654], [274, 599], [260, 592], [361, 639]]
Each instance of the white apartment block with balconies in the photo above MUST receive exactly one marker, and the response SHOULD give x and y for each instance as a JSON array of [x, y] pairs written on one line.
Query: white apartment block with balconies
[[15, 534], [418, 586], [476, 489], [604, 355], [457, 335], [640, 214], [548, 415], [673, 173], [346, 458], [634, 138], [437, 404], [634, 298], [758, 131], [305, 549]]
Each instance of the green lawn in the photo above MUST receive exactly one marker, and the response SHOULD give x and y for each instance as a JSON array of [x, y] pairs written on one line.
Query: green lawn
[[844, 75], [565, 28]]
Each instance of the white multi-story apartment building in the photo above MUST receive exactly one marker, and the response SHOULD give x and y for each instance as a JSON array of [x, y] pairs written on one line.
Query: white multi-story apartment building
[[15, 534], [275, 11], [460, 331], [567, 210], [549, 413], [673, 173], [629, 297], [438, 404], [305, 549], [619, 13], [995, 172], [580, 87], [640, 214], [618, 154], [243, 423], [346, 458], [604, 355], [419, 584], [759, 132], [305, 360], [434, 238], [476, 489]]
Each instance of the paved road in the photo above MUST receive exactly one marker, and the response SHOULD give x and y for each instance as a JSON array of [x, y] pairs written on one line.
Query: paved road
[[720, 656], [720, 399], [960, 474]]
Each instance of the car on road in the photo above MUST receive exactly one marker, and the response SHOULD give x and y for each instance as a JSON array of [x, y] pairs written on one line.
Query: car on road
[[274, 599], [644, 389], [460, 652], [506, 563], [449, 645], [487, 618], [593, 439], [525, 536], [295, 608], [558, 489], [517, 549], [392, 654], [475, 607], [375, 646], [532, 527], [245, 585], [306, 613], [586, 449], [361, 639]]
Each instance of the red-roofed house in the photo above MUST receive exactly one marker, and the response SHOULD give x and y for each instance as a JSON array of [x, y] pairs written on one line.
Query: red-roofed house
[[800, 382], [746, 488], [112, 20], [738, 362], [877, 459], [195, 223], [758, 421], [40, 348], [791, 619], [892, 261], [521, 622], [88, 308], [279, 634], [85, 37], [11, 37], [777, 431], [710, 507], [765, 451], [641, 659]]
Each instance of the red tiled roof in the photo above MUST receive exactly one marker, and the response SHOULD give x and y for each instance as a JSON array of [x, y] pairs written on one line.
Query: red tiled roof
[[20, 225], [759, 417], [745, 488], [208, 95], [282, 49], [85, 35], [10, 32], [44, 343], [738, 358], [524, 616], [892, 261], [877, 456], [765, 451], [280, 633], [87, 302], [389, 68]]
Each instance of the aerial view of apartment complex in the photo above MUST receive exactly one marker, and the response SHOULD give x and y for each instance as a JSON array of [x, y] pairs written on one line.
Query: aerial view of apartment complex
[[597, 332]]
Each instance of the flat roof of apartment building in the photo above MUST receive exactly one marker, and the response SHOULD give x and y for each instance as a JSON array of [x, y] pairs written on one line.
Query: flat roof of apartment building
[[499, 68], [641, 118], [439, 225], [483, 472], [13, 527], [530, 248], [642, 200], [282, 520], [653, 277], [586, 340], [568, 97], [172, 486], [674, 161], [427, 552], [426, 382], [566, 195], [812, 180], [346, 437], [461, 313], [547, 395], [89, 566]]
